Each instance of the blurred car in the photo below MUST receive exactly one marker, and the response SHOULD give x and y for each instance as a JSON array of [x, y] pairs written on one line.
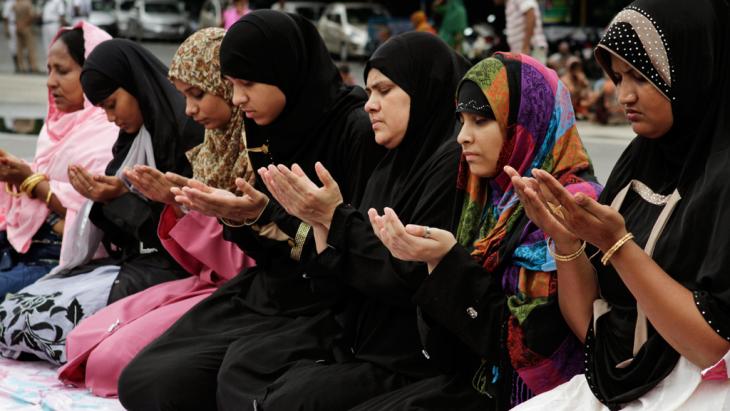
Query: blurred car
[[344, 27], [104, 16], [158, 19], [311, 10], [123, 9]]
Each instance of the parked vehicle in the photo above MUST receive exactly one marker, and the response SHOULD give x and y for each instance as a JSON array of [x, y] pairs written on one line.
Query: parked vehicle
[[123, 9], [311, 10], [158, 19], [344, 27], [103, 15]]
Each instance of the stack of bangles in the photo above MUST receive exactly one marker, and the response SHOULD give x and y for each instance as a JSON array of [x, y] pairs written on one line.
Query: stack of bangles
[[615, 247], [28, 186], [604, 260], [567, 257]]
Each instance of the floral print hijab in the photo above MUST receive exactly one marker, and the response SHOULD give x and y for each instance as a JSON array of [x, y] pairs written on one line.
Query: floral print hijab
[[221, 158]]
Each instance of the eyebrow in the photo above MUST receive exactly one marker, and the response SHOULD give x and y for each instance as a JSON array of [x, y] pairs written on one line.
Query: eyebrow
[[376, 84]]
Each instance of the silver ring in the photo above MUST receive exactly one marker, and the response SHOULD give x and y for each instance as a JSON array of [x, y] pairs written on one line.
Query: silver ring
[[427, 232]]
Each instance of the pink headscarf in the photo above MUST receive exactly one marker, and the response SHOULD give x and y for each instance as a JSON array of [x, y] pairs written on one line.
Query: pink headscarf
[[83, 137]]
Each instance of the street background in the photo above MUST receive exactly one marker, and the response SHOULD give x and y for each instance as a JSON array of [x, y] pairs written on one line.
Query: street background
[[23, 96]]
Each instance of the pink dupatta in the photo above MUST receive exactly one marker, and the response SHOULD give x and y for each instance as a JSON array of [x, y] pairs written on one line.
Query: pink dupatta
[[83, 137]]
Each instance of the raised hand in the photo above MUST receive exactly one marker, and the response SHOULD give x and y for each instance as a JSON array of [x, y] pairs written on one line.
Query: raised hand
[[221, 203], [300, 196], [151, 183], [411, 242], [99, 188], [12, 169]]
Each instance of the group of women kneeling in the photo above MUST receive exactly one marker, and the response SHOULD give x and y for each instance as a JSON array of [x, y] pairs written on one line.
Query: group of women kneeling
[[263, 263]]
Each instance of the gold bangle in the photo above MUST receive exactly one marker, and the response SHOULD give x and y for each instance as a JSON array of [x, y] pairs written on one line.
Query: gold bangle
[[252, 222], [568, 257], [48, 196], [299, 240], [611, 251], [232, 224], [30, 183]]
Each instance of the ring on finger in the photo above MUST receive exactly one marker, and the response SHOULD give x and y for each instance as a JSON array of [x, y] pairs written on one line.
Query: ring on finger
[[556, 209], [427, 232]]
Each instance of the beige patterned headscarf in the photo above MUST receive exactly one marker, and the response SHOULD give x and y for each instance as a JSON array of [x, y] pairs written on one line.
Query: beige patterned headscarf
[[222, 155]]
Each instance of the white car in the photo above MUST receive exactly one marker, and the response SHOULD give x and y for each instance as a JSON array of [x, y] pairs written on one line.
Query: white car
[[311, 10], [103, 16], [344, 27], [158, 19]]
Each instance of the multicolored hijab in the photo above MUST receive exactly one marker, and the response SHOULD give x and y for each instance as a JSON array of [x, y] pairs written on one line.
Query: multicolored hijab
[[534, 112], [221, 158]]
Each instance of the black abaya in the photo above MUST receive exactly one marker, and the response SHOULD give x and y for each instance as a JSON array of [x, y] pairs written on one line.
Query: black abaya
[[227, 349]]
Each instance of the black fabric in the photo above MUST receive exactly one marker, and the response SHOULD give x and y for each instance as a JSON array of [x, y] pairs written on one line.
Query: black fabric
[[380, 322], [129, 222], [122, 63], [692, 157], [224, 352], [471, 99], [74, 41], [428, 71]]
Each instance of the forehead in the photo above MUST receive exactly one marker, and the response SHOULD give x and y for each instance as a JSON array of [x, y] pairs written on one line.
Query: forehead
[[376, 76], [58, 50]]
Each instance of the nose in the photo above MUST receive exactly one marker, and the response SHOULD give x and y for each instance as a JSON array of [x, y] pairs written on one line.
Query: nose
[[239, 96], [372, 105], [626, 93], [190, 108], [110, 116], [51, 81], [464, 137]]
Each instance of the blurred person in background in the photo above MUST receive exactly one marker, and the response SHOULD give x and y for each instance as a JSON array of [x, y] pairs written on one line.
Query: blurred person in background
[[524, 28], [420, 22], [235, 11], [24, 18], [453, 23]]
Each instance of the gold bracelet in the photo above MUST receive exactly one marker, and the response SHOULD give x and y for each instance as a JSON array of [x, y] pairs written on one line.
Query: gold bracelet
[[299, 240], [30, 183], [48, 196], [568, 257], [252, 222], [232, 224], [611, 251]]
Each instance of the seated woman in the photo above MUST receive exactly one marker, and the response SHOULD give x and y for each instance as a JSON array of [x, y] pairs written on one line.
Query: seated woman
[[296, 110], [37, 218], [493, 285], [132, 87], [656, 320], [411, 80], [96, 357]]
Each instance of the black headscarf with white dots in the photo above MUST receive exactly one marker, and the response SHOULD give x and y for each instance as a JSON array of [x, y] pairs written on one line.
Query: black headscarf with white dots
[[681, 47]]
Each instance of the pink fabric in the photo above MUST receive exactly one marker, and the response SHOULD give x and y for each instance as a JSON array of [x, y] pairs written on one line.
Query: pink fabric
[[718, 371], [230, 16], [103, 344], [83, 137]]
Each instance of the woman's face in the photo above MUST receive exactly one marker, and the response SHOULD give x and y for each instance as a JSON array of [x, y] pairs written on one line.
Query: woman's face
[[389, 108], [210, 110], [481, 142], [63, 79], [260, 102], [122, 109], [648, 111]]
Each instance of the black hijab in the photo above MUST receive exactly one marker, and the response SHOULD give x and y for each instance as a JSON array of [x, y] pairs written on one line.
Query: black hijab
[[286, 51], [688, 66], [429, 71], [123, 63]]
